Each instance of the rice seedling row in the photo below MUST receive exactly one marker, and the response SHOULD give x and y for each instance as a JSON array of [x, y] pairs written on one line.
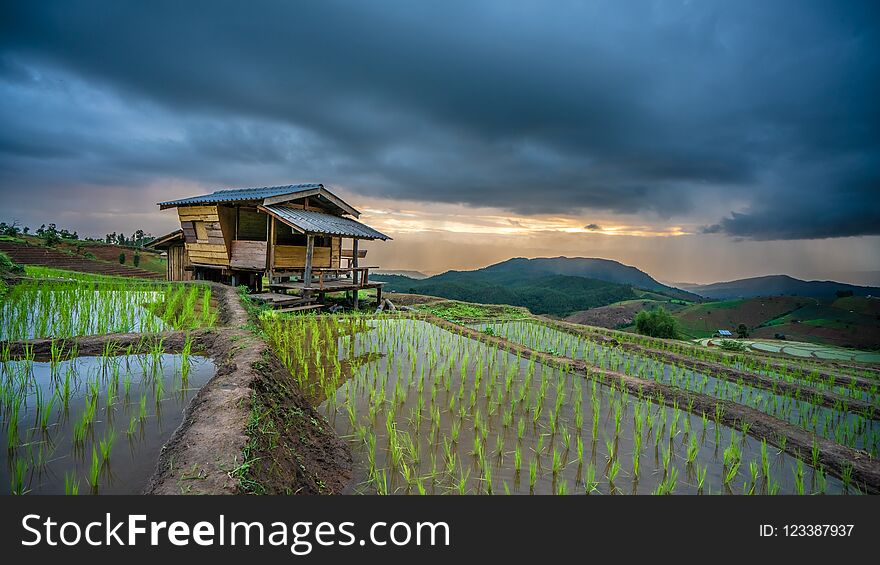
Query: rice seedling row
[[39, 309], [857, 429], [860, 382]]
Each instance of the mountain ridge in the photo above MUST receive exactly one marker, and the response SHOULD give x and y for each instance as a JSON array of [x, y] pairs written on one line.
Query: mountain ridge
[[777, 285]]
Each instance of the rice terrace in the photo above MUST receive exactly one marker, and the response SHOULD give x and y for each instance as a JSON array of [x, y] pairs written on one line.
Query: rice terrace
[[269, 362], [485, 248]]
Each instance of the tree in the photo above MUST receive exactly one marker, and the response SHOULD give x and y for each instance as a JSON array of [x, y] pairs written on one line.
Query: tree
[[122, 258], [843, 293], [136, 260], [657, 323], [742, 331], [49, 235], [9, 229]]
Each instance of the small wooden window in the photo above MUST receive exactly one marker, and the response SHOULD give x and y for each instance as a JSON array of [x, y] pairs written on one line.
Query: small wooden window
[[201, 232]]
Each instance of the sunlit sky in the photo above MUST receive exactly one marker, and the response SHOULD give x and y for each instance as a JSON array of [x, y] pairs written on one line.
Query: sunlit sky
[[697, 141]]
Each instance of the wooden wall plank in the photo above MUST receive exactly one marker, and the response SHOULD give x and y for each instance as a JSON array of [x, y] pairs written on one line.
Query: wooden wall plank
[[198, 213], [291, 256], [226, 226], [248, 254]]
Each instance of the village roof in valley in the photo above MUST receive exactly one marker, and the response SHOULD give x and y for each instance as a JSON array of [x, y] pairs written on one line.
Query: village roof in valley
[[288, 234]]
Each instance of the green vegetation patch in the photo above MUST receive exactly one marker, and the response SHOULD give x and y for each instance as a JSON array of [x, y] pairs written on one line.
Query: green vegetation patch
[[459, 311]]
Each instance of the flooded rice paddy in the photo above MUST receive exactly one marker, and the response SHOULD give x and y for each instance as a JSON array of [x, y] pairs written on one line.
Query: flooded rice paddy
[[91, 424], [840, 423], [427, 410]]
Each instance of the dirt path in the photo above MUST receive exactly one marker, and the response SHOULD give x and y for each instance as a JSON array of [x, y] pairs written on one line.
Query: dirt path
[[798, 442]]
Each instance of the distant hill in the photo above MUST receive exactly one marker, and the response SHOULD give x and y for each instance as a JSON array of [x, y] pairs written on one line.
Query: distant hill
[[601, 269], [622, 314], [778, 285], [418, 275], [549, 294], [849, 322], [557, 286]]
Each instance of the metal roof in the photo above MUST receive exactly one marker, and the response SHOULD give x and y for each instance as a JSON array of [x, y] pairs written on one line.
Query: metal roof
[[311, 221], [237, 194], [724, 332]]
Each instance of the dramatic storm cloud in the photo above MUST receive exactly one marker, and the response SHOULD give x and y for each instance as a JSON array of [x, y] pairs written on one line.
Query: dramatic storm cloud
[[751, 119]]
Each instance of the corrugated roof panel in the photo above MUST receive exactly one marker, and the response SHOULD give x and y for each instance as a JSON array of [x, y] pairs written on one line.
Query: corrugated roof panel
[[238, 194], [311, 221]]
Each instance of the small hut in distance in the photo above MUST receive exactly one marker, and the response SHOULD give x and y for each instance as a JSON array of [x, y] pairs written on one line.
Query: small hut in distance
[[291, 235]]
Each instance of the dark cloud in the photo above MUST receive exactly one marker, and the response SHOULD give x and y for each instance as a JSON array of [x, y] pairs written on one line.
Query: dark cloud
[[592, 227], [624, 107]]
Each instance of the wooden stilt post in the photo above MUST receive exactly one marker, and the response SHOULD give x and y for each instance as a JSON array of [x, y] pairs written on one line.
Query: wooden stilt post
[[307, 271], [355, 276], [270, 260]]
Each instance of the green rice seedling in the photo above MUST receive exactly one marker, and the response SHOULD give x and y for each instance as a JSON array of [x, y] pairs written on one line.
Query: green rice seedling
[[517, 460], [821, 481], [487, 477], [562, 488], [590, 482], [132, 425], [556, 464], [815, 453], [667, 458], [799, 476], [595, 430], [613, 470], [95, 470], [846, 475], [19, 469], [701, 476], [46, 413], [692, 450], [782, 441], [159, 388], [106, 445], [380, 480], [142, 410], [12, 428], [71, 484], [765, 460], [753, 473], [668, 484], [533, 473], [461, 483]]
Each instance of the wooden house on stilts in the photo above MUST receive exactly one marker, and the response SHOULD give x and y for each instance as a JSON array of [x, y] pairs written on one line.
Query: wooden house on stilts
[[287, 238]]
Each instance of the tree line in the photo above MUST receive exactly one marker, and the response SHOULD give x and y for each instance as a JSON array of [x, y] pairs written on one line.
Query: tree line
[[52, 235]]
